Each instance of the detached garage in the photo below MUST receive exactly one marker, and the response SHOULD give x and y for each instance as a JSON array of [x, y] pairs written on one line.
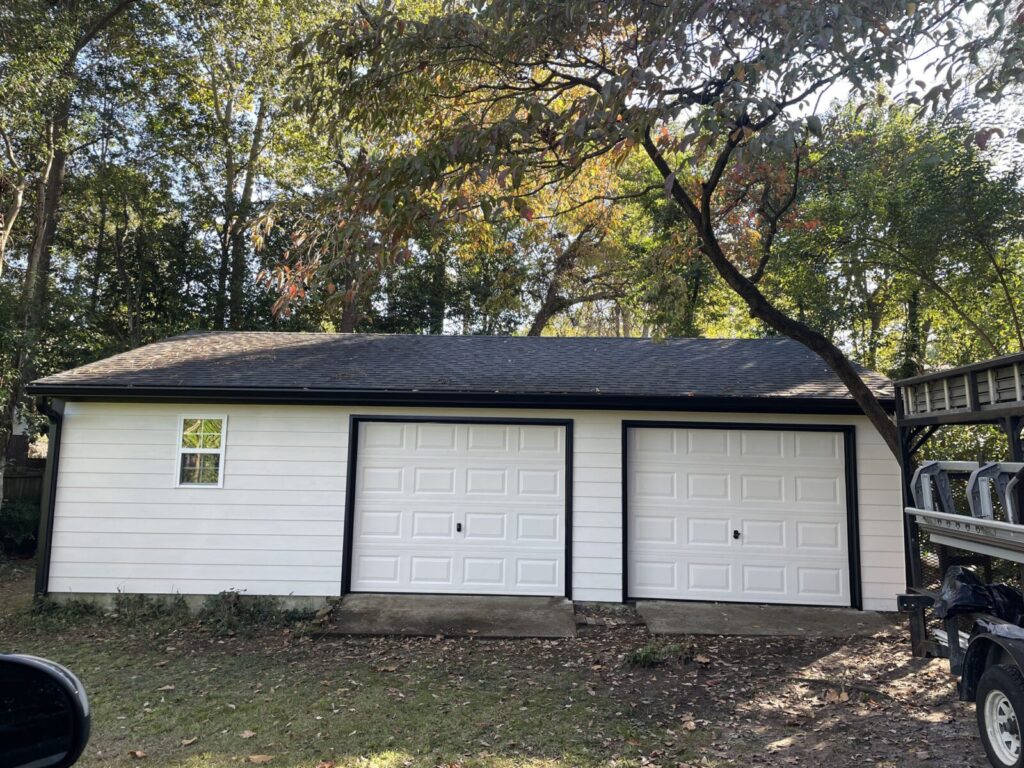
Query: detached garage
[[313, 465]]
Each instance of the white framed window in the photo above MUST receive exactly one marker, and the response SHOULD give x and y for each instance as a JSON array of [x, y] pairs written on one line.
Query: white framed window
[[201, 451]]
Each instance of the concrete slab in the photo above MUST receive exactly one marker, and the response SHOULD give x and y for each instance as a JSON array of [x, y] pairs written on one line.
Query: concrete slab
[[685, 618], [454, 616]]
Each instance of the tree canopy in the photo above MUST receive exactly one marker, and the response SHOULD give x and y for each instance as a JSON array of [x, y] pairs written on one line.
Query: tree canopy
[[526, 95], [509, 166]]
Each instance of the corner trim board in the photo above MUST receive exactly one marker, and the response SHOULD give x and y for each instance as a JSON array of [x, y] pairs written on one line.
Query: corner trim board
[[54, 411]]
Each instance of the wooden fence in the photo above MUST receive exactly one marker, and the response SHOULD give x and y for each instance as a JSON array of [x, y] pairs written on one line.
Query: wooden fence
[[23, 484]]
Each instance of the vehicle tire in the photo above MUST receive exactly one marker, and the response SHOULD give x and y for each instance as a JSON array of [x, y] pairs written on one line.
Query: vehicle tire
[[1000, 707]]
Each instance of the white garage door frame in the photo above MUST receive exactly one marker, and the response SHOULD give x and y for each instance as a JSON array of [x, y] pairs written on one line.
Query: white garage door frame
[[848, 433], [352, 473]]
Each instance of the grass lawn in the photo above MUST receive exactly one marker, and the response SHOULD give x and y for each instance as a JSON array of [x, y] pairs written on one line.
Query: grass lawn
[[176, 693]]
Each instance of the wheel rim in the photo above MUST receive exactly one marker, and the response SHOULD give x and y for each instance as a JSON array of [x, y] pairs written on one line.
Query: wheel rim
[[1002, 727]]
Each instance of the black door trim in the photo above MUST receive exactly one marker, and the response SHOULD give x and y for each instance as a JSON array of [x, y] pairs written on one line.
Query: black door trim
[[849, 433], [353, 456]]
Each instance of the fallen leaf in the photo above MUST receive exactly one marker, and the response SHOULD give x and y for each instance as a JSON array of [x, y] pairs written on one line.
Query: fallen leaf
[[260, 759], [138, 754], [166, 688], [247, 734], [700, 658], [189, 742]]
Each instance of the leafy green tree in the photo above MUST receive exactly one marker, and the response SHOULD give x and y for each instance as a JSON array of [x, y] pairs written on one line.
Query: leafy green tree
[[906, 242], [523, 90], [46, 62]]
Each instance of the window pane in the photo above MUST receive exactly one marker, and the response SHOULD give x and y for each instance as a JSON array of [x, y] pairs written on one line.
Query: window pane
[[210, 441], [200, 468], [211, 426], [210, 464], [189, 468], [190, 433]]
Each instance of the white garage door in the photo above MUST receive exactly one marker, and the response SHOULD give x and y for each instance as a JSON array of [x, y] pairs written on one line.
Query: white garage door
[[737, 514], [459, 508]]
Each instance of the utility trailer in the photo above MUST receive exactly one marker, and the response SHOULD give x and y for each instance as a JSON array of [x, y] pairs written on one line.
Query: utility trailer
[[964, 543]]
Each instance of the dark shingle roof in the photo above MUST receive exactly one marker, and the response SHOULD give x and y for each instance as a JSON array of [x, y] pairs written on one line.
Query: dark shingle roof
[[344, 365]]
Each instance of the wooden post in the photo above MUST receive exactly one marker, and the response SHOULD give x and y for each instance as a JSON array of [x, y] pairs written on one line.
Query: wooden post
[[911, 544]]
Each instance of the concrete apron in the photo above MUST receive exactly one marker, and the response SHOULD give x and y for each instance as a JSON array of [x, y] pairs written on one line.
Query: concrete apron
[[454, 616], [685, 618]]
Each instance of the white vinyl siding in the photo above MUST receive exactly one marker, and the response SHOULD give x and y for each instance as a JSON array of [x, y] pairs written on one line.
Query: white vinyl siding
[[276, 526]]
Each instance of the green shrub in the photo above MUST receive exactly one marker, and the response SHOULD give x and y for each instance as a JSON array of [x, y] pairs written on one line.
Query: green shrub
[[50, 612], [231, 612], [144, 608], [19, 528], [653, 654]]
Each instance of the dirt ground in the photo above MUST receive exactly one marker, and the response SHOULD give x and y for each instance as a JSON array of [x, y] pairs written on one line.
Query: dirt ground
[[180, 694]]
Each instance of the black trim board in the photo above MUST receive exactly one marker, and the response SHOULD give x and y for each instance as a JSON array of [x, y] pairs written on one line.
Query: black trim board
[[353, 456], [54, 411], [849, 433], [426, 399]]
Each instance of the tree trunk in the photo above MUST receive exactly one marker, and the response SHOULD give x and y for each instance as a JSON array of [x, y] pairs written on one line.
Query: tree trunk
[[128, 285], [33, 305], [34, 298], [694, 287], [350, 314], [101, 238], [553, 303], [239, 271], [765, 311], [438, 300], [240, 224], [220, 303], [550, 306], [10, 216]]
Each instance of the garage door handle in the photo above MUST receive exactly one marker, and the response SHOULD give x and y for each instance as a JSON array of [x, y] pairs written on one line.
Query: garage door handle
[[735, 534], [458, 527]]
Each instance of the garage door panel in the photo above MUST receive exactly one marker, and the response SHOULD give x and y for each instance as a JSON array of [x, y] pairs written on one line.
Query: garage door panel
[[484, 573], [654, 529], [487, 526], [707, 531], [433, 525], [757, 524], [763, 489], [381, 480], [487, 481], [474, 509], [762, 444], [818, 447], [658, 576], [541, 441], [379, 524], [435, 437], [485, 438], [432, 571]]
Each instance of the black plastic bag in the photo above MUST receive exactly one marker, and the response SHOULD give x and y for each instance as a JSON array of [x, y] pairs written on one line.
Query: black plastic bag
[[1007, 603], [963, 592]]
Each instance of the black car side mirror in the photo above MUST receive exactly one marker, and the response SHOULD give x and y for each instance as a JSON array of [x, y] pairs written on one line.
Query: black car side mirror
[[44, 714]]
